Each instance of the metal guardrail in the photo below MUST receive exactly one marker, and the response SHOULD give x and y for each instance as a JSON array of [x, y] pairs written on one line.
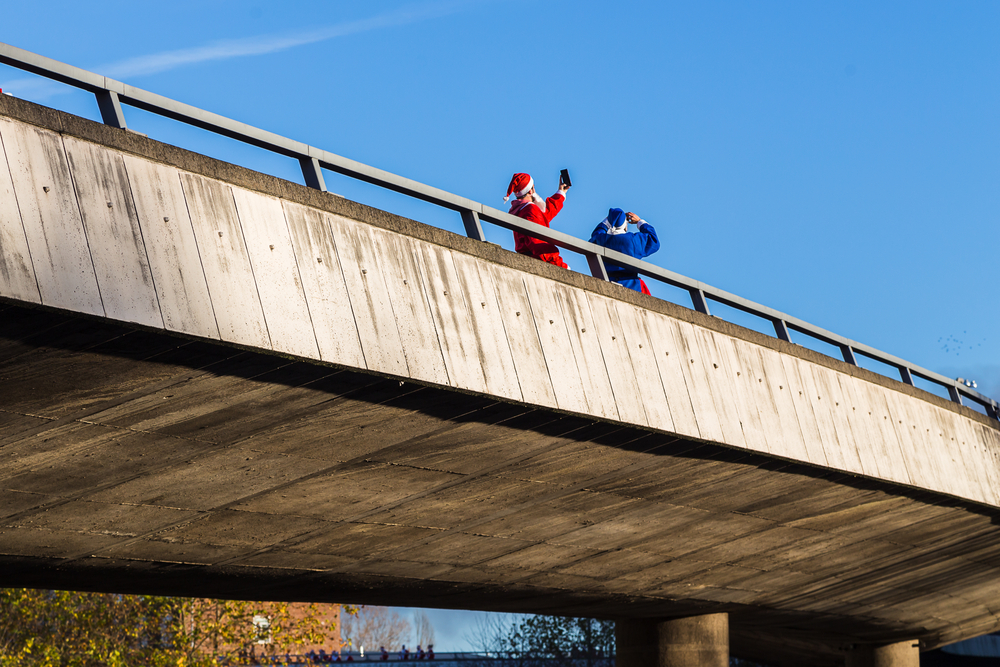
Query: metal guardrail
[[112, 94]]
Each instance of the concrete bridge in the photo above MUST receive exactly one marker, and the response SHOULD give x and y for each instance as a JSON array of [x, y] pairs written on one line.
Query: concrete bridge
[[217, 383]]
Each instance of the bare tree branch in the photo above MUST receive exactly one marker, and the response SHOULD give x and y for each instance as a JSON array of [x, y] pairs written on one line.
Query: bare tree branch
[[374, 627]]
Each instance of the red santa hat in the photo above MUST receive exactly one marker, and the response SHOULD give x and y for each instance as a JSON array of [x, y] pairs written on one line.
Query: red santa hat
[[519, 185]]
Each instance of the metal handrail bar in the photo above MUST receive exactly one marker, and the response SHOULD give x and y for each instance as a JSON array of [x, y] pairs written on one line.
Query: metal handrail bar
[[111, 94]]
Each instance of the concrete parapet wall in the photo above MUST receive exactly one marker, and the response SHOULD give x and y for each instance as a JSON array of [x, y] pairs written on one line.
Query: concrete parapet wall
[[107, 223]]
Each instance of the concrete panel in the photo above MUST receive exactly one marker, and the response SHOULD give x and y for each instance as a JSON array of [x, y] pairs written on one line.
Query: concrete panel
[[17, 277], [972, 445], [971, 473], [398, 262], [324, 286], [617, 360], [551, 326], [879, 402], [866, 432], [707, 355], [797, 390], [276, 273], [884, 445], [669, 364], [948, 474], [821, 405], [463, 355], [526, 349], [974, 469], [369, 297], [941, 440], [698, 384], [923, 465], [116, 245], [484, 311], [51, 218], [746, 393], [171, 247], [991, 462], [748, 360], [788, 441], [990, 469], [224, 257], [583, 338], [775, 406], [640, 350], [839, 414]]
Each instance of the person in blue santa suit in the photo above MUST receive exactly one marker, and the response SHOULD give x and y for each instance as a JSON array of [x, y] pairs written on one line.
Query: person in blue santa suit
[[612, 233]]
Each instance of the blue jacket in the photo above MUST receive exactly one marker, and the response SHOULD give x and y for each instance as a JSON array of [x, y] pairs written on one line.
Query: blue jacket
[[642, 243]]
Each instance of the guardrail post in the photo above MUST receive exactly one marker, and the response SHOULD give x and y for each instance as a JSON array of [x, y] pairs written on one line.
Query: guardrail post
[[597, 268], [993, 410], [781, 330], [906, 376], [956, 397], [473, 226], [848, 353], [111, 108], [699, 301], [312, 173]]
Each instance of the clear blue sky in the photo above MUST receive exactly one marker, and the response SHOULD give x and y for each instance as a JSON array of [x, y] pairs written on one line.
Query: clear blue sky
[[837, 161]]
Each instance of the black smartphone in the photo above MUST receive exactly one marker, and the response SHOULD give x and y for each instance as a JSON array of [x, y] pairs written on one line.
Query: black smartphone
[[564, 177]]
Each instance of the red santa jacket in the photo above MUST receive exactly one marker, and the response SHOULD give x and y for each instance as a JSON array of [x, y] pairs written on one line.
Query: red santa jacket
[[529, 210]]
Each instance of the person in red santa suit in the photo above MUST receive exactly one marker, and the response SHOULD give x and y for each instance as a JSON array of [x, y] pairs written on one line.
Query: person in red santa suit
[[528, 205]]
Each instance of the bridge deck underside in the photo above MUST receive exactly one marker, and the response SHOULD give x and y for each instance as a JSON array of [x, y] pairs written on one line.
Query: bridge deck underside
[[137, 461]]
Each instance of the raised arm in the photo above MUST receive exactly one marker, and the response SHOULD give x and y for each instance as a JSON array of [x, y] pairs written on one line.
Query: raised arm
[[646, 242]]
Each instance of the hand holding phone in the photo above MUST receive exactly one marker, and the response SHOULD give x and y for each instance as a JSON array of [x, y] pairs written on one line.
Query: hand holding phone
[[564, 178]]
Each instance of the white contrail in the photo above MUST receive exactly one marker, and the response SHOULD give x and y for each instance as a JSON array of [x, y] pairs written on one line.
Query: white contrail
[[35, 88], [253, 46]]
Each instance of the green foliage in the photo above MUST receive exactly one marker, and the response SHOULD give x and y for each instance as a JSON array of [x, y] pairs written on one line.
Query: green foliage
[[40, 628], [566, 641], [60, 628], [562, 639]]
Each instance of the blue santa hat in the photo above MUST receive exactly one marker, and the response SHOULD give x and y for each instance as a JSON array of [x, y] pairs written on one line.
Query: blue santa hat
[[618, 223]]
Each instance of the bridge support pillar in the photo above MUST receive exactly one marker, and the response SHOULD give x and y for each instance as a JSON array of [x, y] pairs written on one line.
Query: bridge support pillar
[[900, 654], [696, 641]]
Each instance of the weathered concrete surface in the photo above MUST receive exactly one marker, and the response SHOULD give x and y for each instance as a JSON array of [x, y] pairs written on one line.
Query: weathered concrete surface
[[900, 654], [137, 461], [102, 231], [693, 641], [434, 421]]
